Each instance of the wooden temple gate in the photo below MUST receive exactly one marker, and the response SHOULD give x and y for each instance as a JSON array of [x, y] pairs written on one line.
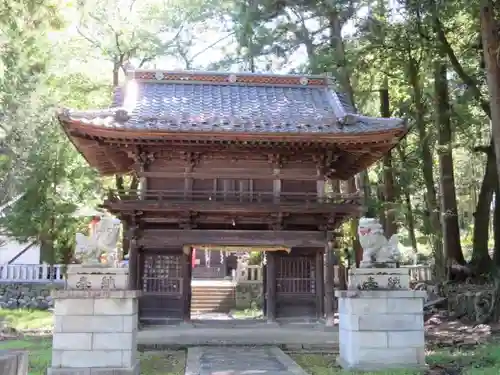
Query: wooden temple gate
[[245, 160]]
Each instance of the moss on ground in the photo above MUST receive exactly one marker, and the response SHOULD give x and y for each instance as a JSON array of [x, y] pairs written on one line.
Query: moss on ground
[[23, 319]]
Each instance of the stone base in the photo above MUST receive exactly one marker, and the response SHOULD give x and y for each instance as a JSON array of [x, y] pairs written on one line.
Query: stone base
[[135, 370], [84, 277], [96, 331], [385, 278], [381, 329]]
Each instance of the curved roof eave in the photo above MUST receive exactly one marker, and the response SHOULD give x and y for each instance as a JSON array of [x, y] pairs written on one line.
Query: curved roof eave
[[338, 137]]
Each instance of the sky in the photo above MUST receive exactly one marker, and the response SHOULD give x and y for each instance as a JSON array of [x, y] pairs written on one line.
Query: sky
[[201, 39]]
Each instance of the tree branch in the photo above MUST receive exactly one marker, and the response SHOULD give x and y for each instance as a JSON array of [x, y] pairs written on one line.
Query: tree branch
[[455, 63]]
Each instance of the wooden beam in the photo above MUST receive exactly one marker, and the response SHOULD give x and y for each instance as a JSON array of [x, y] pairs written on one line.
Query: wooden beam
[[232, 173], [154, 238], [234, 207]]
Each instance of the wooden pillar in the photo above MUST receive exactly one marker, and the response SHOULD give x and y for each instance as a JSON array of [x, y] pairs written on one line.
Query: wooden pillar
[[186, 282], [276, 187], [329, 284], [320, 182], [192, 160], [275, 161], [271, 287], [133, 255], [143, 159], [320, 286]]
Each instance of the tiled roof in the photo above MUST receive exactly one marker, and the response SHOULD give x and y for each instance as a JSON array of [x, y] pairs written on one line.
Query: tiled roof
[[223, 102]]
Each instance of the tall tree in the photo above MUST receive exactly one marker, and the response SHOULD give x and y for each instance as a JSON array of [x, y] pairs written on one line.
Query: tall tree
[[449, 211]]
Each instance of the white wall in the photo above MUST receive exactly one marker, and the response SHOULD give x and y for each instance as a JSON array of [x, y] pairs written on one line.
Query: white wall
[[9, 248]]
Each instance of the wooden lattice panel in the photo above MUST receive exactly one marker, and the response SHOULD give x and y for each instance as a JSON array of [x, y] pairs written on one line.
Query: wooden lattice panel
[[295, 275], [162, 274]]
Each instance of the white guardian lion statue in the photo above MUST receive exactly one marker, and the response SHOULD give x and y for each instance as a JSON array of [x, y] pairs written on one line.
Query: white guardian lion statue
[[377, 250], [102, 239]]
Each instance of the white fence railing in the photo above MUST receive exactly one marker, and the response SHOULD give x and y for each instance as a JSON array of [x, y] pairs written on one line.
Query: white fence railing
[[420, 272], [245, 274], [31, 273]]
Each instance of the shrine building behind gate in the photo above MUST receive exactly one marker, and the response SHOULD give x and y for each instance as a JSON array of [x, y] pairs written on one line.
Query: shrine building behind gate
[[231, 161]]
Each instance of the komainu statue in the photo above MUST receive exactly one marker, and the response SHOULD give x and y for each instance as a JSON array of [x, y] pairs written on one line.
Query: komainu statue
[[103, 238], [377, 250]]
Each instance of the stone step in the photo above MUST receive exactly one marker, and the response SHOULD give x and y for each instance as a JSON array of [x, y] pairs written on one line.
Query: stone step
[[206, 289]]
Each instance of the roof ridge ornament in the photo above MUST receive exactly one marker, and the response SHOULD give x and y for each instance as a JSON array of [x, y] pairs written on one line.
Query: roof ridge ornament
[[121, 116]]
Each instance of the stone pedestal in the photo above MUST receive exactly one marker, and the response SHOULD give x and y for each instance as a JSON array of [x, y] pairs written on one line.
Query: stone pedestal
[[95, 277], [381, 324], [95, 324], [379, 278]]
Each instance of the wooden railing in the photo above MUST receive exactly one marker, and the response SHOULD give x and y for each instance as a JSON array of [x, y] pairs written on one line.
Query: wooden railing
[[31, 273], [236, 196]]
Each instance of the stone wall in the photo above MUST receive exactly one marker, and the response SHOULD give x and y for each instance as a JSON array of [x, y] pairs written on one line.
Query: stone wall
[[380, 329], [95, 333], [27, 295], [249, 296]]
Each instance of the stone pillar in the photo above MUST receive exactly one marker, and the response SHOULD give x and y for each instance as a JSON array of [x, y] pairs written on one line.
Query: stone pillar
[[381, 323], [96, 320]]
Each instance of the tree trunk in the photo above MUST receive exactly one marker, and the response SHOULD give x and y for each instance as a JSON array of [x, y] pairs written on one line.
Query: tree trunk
[[410, 219], [480, 257], [390, 226], [337, 45], [449, 211], [433, 220], [489, 33], [410, 222], [496, 225]]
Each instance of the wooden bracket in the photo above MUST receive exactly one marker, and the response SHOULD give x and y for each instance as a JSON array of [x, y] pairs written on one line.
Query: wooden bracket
[[187, 221], [192, 158], [276, 160], [276, 222], [141, 158], [330, 222]]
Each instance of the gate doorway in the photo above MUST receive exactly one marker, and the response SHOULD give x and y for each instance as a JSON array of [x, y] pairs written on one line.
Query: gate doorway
[[164, 281], [290, 286]]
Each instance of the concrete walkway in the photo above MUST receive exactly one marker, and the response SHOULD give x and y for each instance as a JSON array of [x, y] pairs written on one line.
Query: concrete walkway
[[240, 361], [240, 333]]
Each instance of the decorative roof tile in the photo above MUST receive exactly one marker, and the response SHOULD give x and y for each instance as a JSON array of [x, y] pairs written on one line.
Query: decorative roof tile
[[238, 102]]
